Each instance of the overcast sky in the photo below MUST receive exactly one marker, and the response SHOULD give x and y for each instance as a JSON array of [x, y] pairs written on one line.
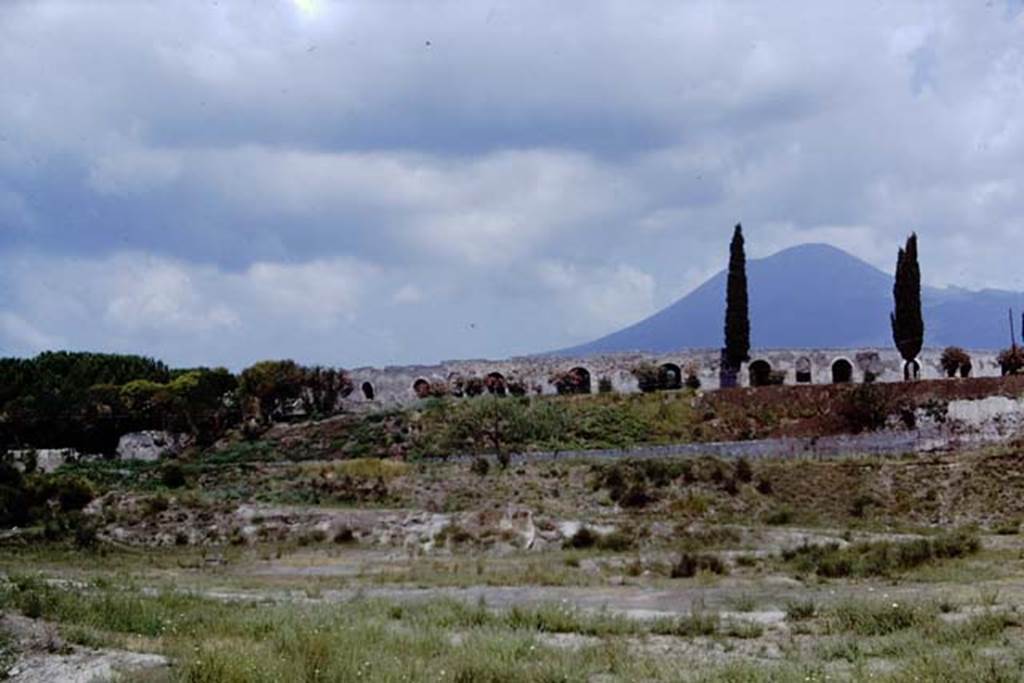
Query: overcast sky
[[349, 183]]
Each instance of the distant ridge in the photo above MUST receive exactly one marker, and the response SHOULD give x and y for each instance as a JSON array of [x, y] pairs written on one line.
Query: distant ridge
[[815, 296]]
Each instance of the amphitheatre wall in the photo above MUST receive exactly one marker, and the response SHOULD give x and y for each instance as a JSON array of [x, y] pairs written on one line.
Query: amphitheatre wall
[[536, 375]]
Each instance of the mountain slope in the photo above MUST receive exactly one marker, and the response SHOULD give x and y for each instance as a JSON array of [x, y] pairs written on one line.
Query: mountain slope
[[815, 296]]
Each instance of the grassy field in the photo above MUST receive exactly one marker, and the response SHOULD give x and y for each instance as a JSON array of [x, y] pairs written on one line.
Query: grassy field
[[257, 636]]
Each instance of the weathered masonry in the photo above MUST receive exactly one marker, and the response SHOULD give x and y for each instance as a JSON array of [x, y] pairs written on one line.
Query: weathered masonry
[[622, 372]]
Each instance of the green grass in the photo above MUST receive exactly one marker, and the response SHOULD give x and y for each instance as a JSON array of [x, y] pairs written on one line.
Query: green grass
[[448, 640], [360, 640], [8, 655]]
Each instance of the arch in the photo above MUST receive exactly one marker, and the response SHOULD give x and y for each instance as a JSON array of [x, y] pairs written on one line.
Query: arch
[[421, 387], [670, 377], [804, 370], [496, 384], [575, 381], [842, 371], [911, 370], [368, 392], [760, 373]]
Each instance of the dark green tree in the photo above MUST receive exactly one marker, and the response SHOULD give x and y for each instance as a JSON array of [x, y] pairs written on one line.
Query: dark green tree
[[737, 321], [907, 322]]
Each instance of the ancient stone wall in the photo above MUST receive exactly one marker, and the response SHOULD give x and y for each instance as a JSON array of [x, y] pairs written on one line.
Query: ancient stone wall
[[538, 375]]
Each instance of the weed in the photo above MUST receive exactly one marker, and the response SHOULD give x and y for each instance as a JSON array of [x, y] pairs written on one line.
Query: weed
[[801, 610]]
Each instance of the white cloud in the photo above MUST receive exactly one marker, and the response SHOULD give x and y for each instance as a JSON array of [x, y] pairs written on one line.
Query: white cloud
[[226, 178], [133, 169], [593, 300], [408, 294], [22, 336]]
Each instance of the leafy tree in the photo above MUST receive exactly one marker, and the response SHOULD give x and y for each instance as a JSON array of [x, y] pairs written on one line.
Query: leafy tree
[[489, 425], [270, 383], [906, 319], [737, 320]]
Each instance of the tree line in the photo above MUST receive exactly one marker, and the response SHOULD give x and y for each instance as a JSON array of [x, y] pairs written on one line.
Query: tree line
[[88, 400]]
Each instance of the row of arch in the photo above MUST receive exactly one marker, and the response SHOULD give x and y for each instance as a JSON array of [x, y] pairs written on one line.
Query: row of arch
[[578, 380], [762, 373]]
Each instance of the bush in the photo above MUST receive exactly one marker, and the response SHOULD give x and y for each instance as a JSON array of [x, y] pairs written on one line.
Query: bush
[[154, 505], [744, 472], [481, 466], [866, 408], [955, 361], [86, 534], [1011, 360], [801, 610], [860, 505], [689, 564], [582, 539], [779, 517], [172, 475], [636, 496], [74, 493], [881, 558], [616, 542]]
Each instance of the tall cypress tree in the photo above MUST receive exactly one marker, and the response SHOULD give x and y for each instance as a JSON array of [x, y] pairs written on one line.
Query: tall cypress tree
[[907, 322], [737, 322]]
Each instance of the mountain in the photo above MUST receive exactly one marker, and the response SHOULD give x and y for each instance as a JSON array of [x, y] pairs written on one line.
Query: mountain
[[815, 296]]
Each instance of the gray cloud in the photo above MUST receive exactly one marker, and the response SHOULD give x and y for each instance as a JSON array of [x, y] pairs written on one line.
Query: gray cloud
[[397, 181]]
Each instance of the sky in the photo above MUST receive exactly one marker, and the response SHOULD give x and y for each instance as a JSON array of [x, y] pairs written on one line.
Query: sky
[[376, 183]]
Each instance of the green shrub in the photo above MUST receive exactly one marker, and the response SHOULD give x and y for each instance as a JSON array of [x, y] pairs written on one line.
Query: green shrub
[[780, 516], [636, 496], [74, 493], [583, 538], [481, 466], [801, 610], [744, 472], [154, 505], [878, 618], [616, 542], [689, 564], [879, 558], [866, 408]]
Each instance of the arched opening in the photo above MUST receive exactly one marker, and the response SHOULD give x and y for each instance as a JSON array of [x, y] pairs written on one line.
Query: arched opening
[[368, 391], [495, 384], [911, 371], [803, 370], [760, 373], [474, 386], [670, 377], [422, 388], [842, 371], [575, 381]]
